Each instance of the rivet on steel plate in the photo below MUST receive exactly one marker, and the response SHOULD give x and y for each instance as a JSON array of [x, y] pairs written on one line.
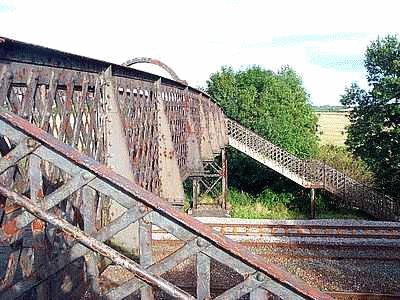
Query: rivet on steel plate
[[142, 209], [9, 75], [260, 277], [200, 243], [30, 143], [86, 176]]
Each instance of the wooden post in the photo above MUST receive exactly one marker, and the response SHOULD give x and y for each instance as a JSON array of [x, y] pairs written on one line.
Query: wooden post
[[313, 204]]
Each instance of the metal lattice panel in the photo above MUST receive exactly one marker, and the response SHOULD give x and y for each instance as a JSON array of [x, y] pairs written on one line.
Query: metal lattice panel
[[138, 109], [65, 103], [174, 102]]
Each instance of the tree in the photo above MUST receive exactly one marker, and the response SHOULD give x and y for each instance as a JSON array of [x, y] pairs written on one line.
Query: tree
[[275, 105], [374, 131]]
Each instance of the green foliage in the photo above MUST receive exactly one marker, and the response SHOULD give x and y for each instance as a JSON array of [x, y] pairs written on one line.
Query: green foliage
[[374, 133], [270, 204], [341, 159], [275, 105], [267, 205]]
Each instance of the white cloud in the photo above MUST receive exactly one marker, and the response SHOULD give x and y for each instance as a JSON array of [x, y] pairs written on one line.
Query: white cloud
[[196, 37]]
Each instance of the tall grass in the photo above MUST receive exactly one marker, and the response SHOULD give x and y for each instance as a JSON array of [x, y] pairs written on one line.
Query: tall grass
[[270, 204], [267, 205]]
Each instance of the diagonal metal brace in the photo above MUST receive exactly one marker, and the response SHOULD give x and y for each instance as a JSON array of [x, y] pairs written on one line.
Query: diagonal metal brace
[[97, 246]]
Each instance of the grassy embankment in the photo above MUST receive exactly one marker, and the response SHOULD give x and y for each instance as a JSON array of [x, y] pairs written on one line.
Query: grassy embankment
[[274, 205]]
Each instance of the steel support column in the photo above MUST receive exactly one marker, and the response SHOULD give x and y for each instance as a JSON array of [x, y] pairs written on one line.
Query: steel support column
[[313, 203], [224, 159], [195, 192]]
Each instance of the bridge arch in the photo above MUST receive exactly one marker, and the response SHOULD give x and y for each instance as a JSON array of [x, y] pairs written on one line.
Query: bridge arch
[[149, 60]]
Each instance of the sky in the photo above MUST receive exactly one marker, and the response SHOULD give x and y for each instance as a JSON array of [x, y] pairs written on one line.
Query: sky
[[324, 41]]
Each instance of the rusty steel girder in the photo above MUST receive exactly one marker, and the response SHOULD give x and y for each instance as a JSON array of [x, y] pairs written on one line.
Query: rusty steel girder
[[60, 113], [169, 127], [27, 141]]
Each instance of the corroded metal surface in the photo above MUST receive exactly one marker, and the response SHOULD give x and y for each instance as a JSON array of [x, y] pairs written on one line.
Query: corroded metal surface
[[313, 174], [198, 238], [66, 95]]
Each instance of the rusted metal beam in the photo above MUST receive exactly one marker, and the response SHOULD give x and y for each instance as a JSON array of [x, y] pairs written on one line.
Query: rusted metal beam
[[166, 264], [146, 254], [23, 219], [203, 268], [38, 227], [175, 217], [78, 250], [95, 245], [22, 150], [246, 286]]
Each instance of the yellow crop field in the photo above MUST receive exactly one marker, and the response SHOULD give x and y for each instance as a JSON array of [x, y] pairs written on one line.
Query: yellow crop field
[[332, 127]]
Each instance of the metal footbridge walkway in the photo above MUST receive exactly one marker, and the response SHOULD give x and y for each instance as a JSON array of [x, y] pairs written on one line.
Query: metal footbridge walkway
[[312, 174]]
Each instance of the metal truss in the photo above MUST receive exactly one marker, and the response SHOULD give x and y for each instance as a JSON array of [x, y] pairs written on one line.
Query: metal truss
[[61, 222]]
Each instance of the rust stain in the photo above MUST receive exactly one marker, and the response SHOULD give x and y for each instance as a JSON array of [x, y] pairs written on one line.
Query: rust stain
[[37, 225], [10, 228], [11, 207], [39, 194]]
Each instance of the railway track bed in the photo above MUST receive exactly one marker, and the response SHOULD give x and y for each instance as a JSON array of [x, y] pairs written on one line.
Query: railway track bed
[[349, 259]]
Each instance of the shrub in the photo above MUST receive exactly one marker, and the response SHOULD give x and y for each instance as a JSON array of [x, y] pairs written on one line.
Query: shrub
[[341, 159]]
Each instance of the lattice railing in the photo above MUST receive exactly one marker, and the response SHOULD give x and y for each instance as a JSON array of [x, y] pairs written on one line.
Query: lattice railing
[[312, 173], [52, 231], [307, 173], [65, 103]]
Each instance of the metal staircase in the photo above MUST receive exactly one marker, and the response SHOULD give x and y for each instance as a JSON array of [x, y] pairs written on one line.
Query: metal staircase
[[312, 173]]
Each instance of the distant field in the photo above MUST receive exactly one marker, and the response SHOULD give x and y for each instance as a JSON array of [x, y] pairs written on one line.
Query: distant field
[[332, 127]]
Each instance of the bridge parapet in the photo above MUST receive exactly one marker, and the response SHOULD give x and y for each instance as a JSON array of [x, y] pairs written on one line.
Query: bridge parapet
[[65, 95]]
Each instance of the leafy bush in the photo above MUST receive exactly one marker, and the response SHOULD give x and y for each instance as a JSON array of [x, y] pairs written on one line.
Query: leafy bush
[[341, 159]]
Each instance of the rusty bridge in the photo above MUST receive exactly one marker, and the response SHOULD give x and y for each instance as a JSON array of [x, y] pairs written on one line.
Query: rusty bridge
[[95, 154]]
